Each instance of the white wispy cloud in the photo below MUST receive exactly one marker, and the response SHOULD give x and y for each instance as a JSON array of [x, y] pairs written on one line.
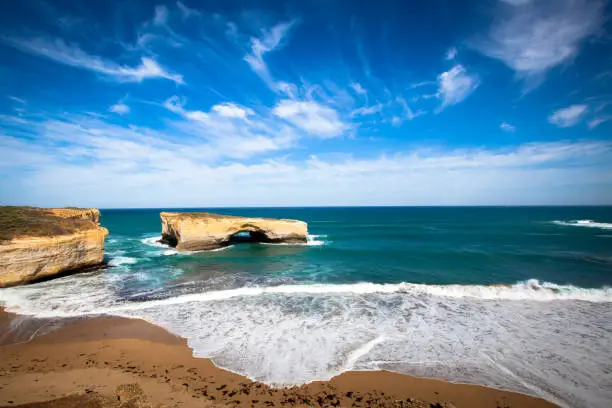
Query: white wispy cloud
[[422, 83], [311, 117], [161, 15], [455, 85], [532, 37], [407, 112], [231, 130], [16, 99], [517, 2], [506, 127], [119, 108], [231, 110], [311, 108], [186, 11], [358, 89], [567, 117], [394, 110], [451, 54], [367, 110], [58, 51], [598, 120], [145, 167], [158, 30], [11, 119], [231, 29], [270, 40]]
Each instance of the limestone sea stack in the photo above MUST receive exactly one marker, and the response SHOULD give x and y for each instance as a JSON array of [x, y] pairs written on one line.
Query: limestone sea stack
[[39, 243], [193, 231]]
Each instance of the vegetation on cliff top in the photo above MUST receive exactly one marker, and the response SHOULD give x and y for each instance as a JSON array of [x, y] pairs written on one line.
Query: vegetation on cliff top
[[204, 215], [38, 222]]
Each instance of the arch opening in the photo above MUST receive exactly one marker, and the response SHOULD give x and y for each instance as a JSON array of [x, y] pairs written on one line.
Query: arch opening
[[247, 237]]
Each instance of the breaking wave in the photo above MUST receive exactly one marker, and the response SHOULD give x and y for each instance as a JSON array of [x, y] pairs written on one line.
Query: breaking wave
[[154, 241], [122, 260], [585, 223], [292, 334], [531, 290], [312, 240], [315, 240]]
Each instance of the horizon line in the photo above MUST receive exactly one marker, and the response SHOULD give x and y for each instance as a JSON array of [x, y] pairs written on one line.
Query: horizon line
[[363, 206]]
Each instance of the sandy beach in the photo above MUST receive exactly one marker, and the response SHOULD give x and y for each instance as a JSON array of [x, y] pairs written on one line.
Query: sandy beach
[[109, 361]]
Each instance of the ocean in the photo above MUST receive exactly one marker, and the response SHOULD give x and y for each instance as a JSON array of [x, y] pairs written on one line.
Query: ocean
[[518, 298]]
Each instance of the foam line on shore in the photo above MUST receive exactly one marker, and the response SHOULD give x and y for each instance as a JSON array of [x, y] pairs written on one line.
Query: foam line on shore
[[529, 290], [292, 334]]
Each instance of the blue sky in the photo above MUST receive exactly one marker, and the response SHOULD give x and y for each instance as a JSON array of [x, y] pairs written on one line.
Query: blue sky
[[227, 103]]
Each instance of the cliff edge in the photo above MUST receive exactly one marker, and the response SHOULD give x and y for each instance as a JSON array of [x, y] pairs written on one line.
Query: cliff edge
[[38, 243], [205, 231]]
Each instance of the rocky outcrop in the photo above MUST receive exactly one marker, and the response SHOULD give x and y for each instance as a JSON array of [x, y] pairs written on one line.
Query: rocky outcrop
[[39, 243], [205, 231]]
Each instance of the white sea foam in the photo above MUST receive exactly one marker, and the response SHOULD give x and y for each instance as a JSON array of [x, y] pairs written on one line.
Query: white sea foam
[[524, 337], [315, 240], [154, 241], [585, 223], [217, 249], [312, 240], [531, 290], [122, 260]]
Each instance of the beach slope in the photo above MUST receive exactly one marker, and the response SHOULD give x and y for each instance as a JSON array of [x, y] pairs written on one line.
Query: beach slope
[[90, 362]]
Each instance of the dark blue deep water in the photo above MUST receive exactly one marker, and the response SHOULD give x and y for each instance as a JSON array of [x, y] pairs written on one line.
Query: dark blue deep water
[[511, 297]]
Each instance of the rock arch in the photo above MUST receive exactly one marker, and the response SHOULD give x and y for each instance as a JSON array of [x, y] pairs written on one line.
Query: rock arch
[[205, 231]]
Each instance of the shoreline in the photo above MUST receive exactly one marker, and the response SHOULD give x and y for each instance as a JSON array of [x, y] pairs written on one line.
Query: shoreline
[[95, 356]]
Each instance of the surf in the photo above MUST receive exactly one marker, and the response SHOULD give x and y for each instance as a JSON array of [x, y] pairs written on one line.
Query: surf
[[584, 223], [309, 332]]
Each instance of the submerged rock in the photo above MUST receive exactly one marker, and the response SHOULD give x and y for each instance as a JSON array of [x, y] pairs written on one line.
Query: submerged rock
[[40, 243], [204, 231]]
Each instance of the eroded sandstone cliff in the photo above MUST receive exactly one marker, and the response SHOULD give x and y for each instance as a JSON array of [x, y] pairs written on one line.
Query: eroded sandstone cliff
[[38, 243], [205, 231]]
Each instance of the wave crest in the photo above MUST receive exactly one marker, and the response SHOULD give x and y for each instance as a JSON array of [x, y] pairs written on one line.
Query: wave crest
[[292, 334], [531, 289], [585, 223], [122, 260]]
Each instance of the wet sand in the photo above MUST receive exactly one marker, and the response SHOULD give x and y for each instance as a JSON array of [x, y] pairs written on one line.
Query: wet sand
[[116, 362]]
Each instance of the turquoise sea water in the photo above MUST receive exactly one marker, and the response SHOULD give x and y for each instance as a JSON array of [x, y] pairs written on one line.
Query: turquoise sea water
[[515, 298]]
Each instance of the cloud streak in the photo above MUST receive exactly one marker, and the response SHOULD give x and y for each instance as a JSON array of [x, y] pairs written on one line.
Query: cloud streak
[[144, 167], [568, 117], [270, 40], [599, 120], [230, 130], [532, 37], [60, 52], [324, 133]]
